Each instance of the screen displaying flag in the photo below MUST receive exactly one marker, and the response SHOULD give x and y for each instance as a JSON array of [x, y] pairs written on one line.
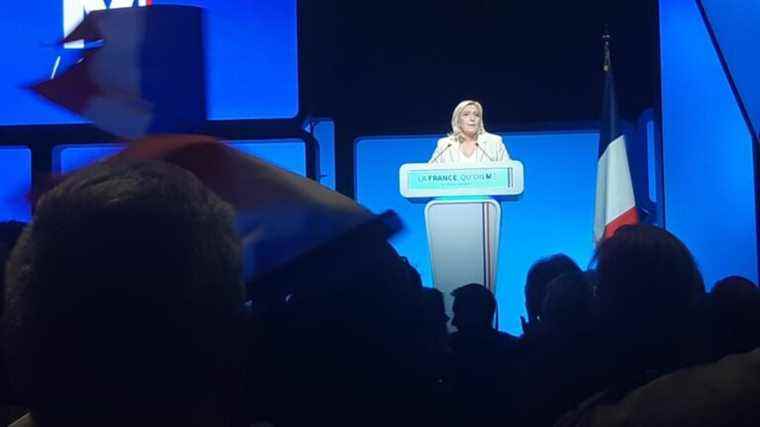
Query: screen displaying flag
[[148, 75], [251, 48], [615, 203]]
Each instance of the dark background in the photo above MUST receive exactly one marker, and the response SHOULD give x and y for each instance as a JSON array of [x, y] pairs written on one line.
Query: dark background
[[400, 67]]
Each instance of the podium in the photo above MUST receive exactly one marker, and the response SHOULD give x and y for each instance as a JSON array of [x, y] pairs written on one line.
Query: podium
[[462, 217]]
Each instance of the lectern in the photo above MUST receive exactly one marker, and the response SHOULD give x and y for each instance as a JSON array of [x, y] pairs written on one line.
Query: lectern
[[462, 217]]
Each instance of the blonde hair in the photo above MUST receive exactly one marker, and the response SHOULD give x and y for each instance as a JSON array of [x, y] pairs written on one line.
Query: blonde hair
[[456, 131]]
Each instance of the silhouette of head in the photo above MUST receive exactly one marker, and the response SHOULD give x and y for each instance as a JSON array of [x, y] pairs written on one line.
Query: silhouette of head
[[9, 234], [733, 285], [414, 276], [435, 311], [10, 231], [646, 275], [568, 303], [736, 316], [122, 293], [360, 327], [474, 307], [539, 275], [434, 318]]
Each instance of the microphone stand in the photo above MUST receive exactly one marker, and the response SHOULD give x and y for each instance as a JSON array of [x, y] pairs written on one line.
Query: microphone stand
[[485, 153], [441, 153]]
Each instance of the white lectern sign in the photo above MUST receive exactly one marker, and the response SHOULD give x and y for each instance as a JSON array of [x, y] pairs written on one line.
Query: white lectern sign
[[421, 180]]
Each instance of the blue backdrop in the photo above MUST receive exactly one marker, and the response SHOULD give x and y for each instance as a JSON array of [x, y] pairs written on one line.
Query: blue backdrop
[[252, 58], [15, 183], [707, 150], [555, 214]]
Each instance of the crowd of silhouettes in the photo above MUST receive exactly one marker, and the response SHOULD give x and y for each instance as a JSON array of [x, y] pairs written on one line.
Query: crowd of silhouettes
[[124, 304]]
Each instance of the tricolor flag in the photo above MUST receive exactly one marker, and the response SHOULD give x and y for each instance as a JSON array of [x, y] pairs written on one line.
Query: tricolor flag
[[280, 215], [615, 202], [288, 223], [144, 74]]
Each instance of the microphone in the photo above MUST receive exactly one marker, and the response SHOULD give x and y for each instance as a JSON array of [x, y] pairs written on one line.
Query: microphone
[[441, 153], [485, 153]]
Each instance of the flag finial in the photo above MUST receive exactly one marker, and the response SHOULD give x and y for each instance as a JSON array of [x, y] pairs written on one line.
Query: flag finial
[[606, 38]]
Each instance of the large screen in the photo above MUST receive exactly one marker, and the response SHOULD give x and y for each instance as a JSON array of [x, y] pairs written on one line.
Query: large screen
[[252, 56], [708, 168]]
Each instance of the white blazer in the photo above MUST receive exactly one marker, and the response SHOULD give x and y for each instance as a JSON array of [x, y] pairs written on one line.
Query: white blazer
[[489, 148]]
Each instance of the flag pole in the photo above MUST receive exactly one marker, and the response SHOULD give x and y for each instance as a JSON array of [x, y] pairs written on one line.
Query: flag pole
[[615, 202], [606, 39]]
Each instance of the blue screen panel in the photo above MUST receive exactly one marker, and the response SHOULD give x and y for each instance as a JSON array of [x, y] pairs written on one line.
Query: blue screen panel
[[707, 150], [289, 154], [735, 25], [252, 56], [67, 158], [15, 183], [555, 214]]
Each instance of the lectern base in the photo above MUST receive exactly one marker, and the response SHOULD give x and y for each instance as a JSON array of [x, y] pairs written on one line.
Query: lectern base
[[463, 236]]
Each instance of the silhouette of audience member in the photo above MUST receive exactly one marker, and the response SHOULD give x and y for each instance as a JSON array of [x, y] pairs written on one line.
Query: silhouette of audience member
[[568, 308], [481, 357], [9, 234], [474, 310], [344, 347], [736, 316], [733, 285], [437, 359], [721, 394], [648, 283], [435, 320], [540, 274], [559, 357], [123, 301]]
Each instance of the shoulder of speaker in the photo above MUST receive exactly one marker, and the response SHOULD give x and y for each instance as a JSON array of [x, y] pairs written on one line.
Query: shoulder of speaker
[[446, 140], [490, 137]]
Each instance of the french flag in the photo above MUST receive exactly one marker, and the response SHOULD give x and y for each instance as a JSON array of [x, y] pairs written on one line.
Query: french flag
[[615, 202], [144, 73]]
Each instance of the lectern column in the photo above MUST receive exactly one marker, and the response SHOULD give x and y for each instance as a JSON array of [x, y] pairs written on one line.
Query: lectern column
[[463, 237]]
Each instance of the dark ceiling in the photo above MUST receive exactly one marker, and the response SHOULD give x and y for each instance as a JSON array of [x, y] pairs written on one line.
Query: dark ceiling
[[398, 66]]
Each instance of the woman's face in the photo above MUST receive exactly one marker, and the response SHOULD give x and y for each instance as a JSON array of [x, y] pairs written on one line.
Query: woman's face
[[469, 120]]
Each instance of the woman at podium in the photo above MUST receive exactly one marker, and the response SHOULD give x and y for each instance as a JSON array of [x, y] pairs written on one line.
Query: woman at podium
[[468, 141]]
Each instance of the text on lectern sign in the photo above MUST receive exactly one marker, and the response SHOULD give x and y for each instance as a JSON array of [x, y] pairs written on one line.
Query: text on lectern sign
[[453, 179], [420, 180]]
